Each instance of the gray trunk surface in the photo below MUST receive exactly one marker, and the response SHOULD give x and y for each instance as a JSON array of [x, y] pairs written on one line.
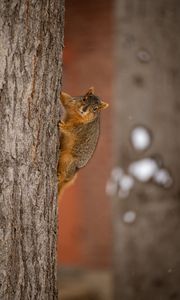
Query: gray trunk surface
[[31, 39]]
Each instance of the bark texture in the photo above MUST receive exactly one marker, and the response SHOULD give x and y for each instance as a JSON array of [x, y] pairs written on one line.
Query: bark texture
[[31, 40], [147, 260]]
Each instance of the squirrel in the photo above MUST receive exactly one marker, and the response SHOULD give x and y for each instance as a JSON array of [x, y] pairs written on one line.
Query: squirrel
[[79, 134]]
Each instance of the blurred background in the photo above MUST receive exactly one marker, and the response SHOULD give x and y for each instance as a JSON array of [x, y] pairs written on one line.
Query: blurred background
[[119, 236]]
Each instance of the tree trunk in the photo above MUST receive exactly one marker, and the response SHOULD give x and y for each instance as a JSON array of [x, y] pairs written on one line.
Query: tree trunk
[[147, 245], [31, 39]]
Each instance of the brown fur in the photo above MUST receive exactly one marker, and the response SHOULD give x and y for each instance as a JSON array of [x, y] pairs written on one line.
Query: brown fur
[[79, 134]]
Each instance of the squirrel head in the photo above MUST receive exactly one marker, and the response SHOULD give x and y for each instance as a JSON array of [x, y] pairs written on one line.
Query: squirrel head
[[85, 107]]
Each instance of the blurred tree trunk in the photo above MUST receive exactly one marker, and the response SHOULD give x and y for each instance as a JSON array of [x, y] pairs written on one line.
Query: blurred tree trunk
[[31, 39], [147, 251]]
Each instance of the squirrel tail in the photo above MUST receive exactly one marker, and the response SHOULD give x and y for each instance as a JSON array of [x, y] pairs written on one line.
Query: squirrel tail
[[62, 185]]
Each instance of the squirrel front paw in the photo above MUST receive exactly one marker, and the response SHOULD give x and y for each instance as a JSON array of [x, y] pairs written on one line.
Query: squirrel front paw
[[61, 124]]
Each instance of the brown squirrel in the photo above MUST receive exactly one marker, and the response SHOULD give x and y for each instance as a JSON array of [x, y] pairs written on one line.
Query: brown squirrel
[[79, 134]]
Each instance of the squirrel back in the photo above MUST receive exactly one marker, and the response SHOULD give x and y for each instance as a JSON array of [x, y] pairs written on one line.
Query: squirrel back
[[79, 133], [87, 137]]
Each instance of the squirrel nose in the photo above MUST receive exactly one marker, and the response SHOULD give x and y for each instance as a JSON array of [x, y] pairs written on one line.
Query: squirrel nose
[[103, 105]]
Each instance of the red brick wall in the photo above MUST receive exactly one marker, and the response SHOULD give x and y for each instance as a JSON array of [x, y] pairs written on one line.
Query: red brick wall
[[85, 211]]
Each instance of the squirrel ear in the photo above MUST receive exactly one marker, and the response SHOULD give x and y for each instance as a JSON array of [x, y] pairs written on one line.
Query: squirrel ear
[[64, 97], [103, 105], [90, 91]]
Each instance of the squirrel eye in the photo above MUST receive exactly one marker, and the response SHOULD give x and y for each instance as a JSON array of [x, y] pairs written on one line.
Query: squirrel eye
[[84, 100], [95, 108]]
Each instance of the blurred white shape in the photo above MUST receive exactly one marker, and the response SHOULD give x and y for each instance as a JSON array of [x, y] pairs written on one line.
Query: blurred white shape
[[144, 169], [129, 217], [126, 183], [140, 138], [144, 55], [117, 174], [163, 178], [111, 188]]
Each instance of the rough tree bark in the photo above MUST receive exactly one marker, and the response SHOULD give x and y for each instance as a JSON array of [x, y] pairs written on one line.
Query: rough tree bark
[[31, 40], [147, 260]]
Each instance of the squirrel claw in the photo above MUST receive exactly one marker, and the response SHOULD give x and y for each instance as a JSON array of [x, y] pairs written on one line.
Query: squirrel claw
[[61, 124]]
